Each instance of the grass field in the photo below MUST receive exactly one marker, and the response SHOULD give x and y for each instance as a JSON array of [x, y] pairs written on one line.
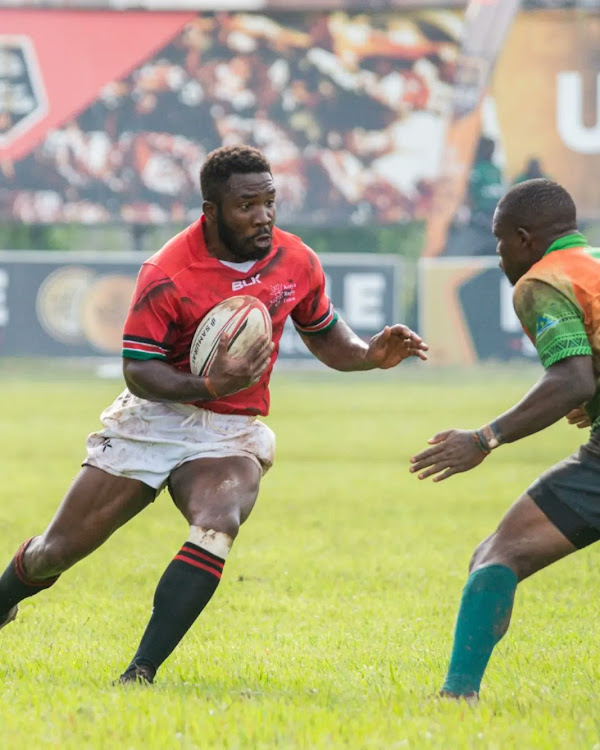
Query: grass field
[[333, 622]]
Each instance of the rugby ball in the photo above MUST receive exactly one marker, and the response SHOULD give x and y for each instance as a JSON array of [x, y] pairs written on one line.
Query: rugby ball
[[244, 318]]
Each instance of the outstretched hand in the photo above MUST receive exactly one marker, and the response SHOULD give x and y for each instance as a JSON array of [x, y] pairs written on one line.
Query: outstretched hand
[[394, 344], [452, 452], [232, 374]]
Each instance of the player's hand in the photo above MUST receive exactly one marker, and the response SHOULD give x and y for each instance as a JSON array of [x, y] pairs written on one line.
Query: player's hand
[[451, 452], [232, 374], [395, 343], [579, 417]]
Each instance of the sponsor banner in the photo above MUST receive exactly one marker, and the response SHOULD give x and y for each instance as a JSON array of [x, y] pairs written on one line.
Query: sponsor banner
[[486, 25], [540, 118], [291, 5], [107, 118], [552, 61], [54, 65], [254, 5], [466, 313], [75, 304]]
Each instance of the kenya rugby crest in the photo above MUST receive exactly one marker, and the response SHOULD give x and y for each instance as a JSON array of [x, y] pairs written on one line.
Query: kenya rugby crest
[[23, 101]]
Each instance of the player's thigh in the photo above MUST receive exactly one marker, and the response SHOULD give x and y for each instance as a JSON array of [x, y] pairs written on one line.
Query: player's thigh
[[216, 493], [96, 505], [526, 540], [559, 513]]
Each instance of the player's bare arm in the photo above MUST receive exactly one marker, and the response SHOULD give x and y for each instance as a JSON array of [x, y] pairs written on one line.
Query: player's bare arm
[[155, 380], [564, 386], [341, 349]]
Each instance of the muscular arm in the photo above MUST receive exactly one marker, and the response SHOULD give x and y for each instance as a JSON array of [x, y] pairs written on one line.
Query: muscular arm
[[341, 349], [564, 386], [158, 381], [555, 324]]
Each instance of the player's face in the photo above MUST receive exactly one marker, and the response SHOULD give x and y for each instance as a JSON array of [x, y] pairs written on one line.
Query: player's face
[[246, 216], [514, 247]]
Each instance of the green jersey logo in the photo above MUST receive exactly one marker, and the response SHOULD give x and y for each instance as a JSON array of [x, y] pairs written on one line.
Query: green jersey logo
[[543, 323]]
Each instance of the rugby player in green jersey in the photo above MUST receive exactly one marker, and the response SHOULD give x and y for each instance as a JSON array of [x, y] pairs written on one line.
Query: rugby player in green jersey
[[556, 279]]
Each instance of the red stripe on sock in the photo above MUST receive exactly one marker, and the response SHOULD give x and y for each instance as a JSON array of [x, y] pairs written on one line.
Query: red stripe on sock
[[202, 556], [22, 575], [197, 564], [19, 569]]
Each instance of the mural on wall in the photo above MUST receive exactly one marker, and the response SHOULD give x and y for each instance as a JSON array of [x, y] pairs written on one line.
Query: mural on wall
[[348, 107]]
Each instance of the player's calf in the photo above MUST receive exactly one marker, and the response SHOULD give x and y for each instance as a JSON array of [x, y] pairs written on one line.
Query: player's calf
[[483, 619], [497, 565], [186, 587], [526, 541]]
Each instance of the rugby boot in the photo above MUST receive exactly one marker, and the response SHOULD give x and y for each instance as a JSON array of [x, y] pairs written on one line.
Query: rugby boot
[[137, 674], [472, 697], [9, 616]]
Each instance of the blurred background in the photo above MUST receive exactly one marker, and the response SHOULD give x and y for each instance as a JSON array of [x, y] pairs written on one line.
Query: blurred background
[[393, 128]]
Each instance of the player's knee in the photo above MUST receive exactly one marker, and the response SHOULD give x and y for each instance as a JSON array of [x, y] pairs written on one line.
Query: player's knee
[[497, 550], [46, 558], [232, 505], [226, 522], [479, 556], [217, 542]]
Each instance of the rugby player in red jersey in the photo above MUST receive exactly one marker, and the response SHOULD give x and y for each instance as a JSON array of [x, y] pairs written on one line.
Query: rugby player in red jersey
[[198, 436], [556, 276]]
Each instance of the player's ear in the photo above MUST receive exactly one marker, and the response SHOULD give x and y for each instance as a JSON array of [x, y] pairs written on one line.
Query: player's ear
[[210, 210], [524, 236]]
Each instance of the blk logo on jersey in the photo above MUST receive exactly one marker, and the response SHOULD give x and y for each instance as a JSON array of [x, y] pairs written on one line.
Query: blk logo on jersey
[[22, 96], [237, 285]]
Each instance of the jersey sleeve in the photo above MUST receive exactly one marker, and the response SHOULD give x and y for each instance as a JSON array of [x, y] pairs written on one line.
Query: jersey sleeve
[[314, 313], [552, 322], [152, 317]]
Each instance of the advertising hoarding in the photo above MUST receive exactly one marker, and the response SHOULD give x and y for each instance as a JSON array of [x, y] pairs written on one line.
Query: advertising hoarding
[[75, 304]]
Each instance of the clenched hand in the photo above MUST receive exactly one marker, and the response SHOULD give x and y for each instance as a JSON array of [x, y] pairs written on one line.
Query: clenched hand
[[232, 374]]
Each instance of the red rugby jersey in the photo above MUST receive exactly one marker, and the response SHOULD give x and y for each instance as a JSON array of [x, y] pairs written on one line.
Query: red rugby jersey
[[178, 285]]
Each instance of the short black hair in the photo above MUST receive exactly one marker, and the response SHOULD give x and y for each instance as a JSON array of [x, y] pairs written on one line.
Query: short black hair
[[539, 204], [226, 161]]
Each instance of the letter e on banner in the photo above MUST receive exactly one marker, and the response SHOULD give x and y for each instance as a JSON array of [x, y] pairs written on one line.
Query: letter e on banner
[[364, 300], [4, 315]]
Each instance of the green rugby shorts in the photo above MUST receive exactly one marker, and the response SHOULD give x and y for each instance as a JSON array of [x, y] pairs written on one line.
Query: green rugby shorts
[[569, 494]]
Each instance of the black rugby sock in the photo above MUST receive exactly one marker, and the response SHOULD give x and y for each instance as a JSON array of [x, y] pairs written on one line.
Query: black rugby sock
[[185, 588], [15, 584]]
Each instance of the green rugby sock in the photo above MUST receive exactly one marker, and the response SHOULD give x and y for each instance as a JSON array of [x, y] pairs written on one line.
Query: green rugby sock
[[483, 617]]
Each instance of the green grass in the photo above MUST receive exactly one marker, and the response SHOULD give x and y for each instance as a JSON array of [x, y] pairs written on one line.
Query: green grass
[[333, 622]]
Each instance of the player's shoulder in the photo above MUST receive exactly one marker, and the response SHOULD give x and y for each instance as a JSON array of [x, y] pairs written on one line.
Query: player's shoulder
[[292, 243], [177, 253], [523, 291], [295, 249]]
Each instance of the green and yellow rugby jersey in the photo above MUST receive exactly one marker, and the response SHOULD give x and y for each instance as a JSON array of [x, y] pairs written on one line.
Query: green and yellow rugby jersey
[[558, 304]]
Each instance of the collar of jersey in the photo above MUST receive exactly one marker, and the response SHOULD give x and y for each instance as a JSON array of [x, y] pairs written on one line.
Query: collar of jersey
[[570, 240]]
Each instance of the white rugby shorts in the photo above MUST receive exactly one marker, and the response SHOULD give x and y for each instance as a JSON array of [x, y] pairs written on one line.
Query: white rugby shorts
[[148, 440]]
